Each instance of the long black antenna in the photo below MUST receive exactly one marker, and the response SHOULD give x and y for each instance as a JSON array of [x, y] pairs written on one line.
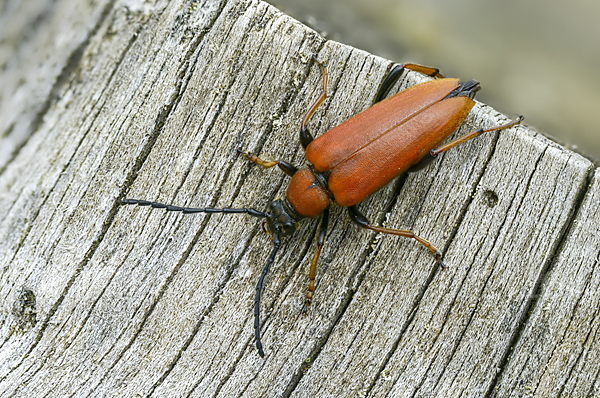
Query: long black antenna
[[189, 210], [259, 286], [227, 210]]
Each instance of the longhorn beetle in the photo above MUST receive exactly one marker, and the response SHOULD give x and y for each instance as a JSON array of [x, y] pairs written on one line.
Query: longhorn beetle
[[348, 163]]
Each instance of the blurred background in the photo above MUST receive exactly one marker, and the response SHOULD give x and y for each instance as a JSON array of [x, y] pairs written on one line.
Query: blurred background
[[538, 58]]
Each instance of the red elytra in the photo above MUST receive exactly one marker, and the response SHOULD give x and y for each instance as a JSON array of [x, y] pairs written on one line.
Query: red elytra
[[372, 148]]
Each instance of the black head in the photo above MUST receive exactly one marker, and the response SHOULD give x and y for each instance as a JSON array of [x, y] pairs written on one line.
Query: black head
[[281, 218]]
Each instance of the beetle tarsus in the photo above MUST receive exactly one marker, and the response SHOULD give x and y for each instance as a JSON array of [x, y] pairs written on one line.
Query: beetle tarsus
[[438, 258], [466, 89], [321, 63], [307, 303]]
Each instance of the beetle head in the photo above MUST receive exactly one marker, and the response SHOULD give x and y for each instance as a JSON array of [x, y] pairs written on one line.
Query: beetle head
[[281, 218]]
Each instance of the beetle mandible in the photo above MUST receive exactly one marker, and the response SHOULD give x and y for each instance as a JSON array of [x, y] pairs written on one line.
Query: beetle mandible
[[348, 163]]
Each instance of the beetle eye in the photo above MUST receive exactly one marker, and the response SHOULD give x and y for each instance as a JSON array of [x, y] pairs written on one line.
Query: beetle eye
[[288, 229]]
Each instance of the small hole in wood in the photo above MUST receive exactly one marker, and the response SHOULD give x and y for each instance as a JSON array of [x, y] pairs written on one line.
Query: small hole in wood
[[24, 311], [490, 198]]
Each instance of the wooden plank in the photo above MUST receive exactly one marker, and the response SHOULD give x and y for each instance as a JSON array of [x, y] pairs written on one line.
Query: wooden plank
[[41, 45], [60, 193], [464, 325], [557, 353], [134, 302]]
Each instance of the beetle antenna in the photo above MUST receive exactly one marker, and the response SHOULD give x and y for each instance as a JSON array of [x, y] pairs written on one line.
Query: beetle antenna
[[189, 210], [259, 286]]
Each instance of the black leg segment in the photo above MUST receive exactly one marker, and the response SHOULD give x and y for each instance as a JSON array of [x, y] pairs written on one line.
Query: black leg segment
[[397, 72], [284, 166]]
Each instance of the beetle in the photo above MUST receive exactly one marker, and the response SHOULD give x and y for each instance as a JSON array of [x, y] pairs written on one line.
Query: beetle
[[350, 162]]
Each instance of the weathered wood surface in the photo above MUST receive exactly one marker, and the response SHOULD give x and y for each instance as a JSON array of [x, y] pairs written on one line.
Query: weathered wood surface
[[41, 44], [150, 101]]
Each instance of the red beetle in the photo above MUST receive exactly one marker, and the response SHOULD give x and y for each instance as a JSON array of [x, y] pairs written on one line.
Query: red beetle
[[359, 157]]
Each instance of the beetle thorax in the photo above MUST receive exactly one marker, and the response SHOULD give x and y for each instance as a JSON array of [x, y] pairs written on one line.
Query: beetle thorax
[[306, 195]]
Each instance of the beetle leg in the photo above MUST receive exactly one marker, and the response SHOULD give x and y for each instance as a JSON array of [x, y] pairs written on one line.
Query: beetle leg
[[305, 135], [286, 167], [397, 72], [474, 134], [363, 222], [435, 152], [312, 274]]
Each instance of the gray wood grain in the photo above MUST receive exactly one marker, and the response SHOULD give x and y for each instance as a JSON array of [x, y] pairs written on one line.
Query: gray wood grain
[[42, 43], [100, 299], [557, 354]]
